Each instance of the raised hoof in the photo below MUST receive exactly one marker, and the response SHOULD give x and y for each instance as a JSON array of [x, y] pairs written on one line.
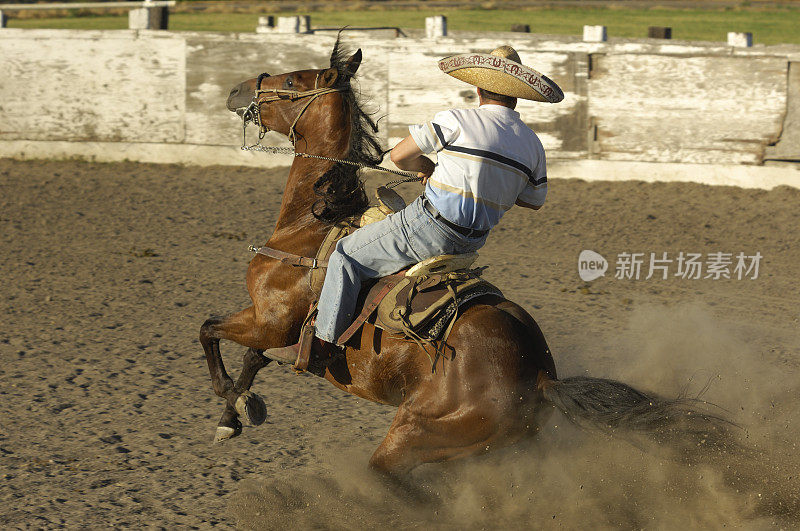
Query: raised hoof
[[224, 433], [251, 406]]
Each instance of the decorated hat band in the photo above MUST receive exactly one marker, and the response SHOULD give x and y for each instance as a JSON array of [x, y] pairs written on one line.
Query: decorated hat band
[[498, 72]]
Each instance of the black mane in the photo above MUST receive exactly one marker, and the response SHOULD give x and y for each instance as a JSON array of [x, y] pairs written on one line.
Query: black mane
[[340, 190]]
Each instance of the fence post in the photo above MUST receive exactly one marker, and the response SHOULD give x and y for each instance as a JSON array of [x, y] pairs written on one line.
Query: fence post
[[139, 19], [659, 32], [294, 24], [3, 19], [148, 17], [742, 40], [435, 26], [595, 34], [266, 24], [304, 24]]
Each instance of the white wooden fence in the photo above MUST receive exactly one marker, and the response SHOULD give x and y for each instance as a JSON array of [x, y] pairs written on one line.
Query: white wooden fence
[[160, 96], [148, 14]]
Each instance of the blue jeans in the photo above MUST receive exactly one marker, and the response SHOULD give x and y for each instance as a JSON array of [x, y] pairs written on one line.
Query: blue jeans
[[379, 249]]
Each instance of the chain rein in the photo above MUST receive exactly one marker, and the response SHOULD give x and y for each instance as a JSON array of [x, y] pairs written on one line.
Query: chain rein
[[253, 114]]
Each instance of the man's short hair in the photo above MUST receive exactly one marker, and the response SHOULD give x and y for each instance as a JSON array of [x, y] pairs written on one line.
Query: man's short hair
[[508, 100]]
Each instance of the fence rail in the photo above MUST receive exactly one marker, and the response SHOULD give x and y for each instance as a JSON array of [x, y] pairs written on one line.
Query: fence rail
[[398, 32], [89, 5]]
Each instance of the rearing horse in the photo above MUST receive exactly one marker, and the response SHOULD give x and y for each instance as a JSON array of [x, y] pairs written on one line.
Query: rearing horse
[[501, 379]]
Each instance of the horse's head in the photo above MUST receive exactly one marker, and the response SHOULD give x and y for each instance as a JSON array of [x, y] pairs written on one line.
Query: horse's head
[[320, 107], [278, 102]]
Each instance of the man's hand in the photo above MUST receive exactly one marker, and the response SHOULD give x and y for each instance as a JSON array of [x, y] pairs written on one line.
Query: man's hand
[[424, 176], [407, 156]]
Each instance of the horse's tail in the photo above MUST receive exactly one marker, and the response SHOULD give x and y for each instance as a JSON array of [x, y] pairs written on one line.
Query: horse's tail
[[618, 408]]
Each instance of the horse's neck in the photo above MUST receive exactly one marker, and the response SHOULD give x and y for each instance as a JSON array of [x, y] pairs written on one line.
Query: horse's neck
[[296, 223]]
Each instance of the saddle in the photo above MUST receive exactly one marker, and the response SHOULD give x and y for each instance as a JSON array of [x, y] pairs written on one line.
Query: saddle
[[420, 303]]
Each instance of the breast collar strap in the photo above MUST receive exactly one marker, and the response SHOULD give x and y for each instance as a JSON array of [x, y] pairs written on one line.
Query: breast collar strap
[[262, 96], [289, 258]]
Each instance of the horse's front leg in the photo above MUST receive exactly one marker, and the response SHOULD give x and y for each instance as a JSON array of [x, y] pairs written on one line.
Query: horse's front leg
[[253, 407], [243, 329]]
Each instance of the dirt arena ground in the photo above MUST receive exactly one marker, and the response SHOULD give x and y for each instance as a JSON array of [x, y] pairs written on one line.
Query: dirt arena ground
[[107, 413]]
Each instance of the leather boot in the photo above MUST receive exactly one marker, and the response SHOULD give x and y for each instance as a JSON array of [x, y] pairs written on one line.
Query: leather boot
[[321, 350], [283, 354]]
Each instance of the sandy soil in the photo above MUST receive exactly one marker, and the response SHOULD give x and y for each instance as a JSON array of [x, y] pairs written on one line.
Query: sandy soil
[[107, 414]]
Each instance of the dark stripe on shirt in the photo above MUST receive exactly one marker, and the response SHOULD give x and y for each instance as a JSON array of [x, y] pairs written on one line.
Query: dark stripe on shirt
[[499, 158], [439, 133]]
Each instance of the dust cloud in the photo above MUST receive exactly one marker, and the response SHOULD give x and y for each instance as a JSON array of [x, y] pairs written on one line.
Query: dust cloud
[[572, 478]]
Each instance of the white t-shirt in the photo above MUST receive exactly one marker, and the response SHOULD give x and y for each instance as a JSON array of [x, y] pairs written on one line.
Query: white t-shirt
[[487, 159]]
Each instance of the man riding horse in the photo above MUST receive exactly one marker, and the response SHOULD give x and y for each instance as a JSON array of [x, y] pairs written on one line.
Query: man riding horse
[[488, 161], [498, 383]]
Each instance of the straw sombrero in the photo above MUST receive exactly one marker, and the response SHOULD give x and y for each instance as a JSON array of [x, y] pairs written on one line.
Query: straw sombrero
[[502, 72]]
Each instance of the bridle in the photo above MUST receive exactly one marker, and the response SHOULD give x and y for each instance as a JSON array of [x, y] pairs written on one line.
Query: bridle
[[252, 113]]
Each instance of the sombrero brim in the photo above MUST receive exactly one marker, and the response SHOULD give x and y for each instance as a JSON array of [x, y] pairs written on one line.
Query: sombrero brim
[[502, 76]]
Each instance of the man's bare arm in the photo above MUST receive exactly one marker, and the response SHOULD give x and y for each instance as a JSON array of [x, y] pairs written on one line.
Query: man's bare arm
[[407, 156], [527, 205]]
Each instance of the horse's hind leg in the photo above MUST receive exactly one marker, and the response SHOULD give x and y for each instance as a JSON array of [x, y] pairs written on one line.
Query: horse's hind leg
[[416, 439], [229, 425]]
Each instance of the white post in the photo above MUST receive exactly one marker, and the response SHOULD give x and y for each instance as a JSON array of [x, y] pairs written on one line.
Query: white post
[[595, 34], [741, 40], [300, 24], [288, 25], [436, 26], [266, 24], [304, 24], [148, 17], [139, 19]]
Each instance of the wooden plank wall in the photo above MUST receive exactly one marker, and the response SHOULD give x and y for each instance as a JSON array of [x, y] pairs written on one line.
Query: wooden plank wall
[[686, 109], [787, 148], [633, 101], [77, 86]]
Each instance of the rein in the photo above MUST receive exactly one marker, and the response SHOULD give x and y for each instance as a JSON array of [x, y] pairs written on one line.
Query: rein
[[253, 114]]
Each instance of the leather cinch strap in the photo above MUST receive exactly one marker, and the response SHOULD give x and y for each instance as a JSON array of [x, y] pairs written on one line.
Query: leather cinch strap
[[289, 258]]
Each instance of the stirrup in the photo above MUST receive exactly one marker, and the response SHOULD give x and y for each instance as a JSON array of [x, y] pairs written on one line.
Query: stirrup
[[300, 363]]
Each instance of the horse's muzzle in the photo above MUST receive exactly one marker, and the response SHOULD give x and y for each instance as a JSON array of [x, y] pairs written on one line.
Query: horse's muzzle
[[239, 98]]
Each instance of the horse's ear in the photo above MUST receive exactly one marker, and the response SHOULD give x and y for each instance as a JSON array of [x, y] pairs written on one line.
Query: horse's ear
[[328, 77], [352, 64]]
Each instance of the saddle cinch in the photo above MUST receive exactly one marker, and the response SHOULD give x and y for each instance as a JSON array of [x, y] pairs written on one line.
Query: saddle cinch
[[420, 303]]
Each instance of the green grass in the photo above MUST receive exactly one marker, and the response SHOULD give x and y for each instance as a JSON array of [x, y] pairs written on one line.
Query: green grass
[[773, 26]]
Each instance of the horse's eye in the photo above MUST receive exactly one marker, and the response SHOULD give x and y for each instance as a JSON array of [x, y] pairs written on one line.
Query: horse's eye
[[289, 83]]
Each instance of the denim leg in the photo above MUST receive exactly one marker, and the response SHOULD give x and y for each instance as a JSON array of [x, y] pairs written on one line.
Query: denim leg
[[376, 250], [339, 295]]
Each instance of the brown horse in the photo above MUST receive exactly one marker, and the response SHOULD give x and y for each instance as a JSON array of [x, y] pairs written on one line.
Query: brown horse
[[501, 380]]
